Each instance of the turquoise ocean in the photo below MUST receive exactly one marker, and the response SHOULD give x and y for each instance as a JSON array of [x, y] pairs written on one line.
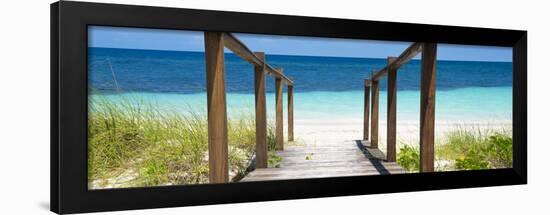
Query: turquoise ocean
[[325, 87]]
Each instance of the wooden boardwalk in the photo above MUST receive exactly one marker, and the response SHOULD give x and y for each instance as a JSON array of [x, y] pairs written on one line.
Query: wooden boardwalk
[[347, 158]]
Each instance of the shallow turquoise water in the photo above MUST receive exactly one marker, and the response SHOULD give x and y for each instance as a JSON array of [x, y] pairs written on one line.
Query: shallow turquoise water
[[463, 104]]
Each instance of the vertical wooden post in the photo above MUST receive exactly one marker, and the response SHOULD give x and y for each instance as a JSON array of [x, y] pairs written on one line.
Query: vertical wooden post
[[374, 115], [290, 113], [427, 107], [366, 111], [279, 141], [217, 115], [261, 115], [392, 114]]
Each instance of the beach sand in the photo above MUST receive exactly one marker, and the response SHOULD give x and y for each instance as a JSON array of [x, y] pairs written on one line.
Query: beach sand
[[318, 132]]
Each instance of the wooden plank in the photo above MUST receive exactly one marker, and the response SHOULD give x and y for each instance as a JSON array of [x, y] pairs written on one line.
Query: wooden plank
[[320, 150], [321, 155], [322, 170], [216, 105], [287, 152], [241, 50], [305, 165], [324, 146], [261, 113], [366, 165], [392, 112], [366, 111], [308, 175], [427, 107], [327, 162], [336, 155], [374, 115], [290, 106], [405, 57], [332, 147], [279, 139], [292, 161]]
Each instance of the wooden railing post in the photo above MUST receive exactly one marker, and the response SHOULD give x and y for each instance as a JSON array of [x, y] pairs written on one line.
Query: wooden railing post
[[216, 105], [374, 115], [427, 107], [279, 112], [392, 114], [290, 113], [366, 111], [261, 115]]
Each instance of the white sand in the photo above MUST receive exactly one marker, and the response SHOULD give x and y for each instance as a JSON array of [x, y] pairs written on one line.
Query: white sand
[[330, 131]]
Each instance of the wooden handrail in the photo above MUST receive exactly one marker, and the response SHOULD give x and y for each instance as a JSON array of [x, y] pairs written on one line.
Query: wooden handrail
[[278, 74], [241, 50], [405, 56], [218, 160], [427, 103]]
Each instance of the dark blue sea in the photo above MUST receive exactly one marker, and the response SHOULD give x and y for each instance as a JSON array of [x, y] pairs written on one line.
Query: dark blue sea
[[183, 72]]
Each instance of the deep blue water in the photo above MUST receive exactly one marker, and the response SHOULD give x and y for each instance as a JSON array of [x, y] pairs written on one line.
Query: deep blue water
[[183, 72]]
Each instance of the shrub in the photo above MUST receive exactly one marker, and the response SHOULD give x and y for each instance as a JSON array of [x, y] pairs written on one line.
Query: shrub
[[471, 161], [465, 149], [409, 158], [500, 151], [473, 149]]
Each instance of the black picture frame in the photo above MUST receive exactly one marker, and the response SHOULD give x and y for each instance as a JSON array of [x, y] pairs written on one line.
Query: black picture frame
[[69, 21]]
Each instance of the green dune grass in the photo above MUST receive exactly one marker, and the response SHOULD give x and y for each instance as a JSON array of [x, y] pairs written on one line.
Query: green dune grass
[[132, 143], [464, 148]]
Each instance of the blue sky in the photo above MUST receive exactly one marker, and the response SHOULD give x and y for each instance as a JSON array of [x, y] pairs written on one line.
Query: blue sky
[[177, 40]]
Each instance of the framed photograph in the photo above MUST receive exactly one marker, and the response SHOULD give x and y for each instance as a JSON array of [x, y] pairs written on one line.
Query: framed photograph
[[162, 107]]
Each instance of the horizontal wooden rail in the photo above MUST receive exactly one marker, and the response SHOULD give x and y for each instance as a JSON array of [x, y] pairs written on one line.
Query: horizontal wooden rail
[[274, 72], [407, 55], [240, 49]]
